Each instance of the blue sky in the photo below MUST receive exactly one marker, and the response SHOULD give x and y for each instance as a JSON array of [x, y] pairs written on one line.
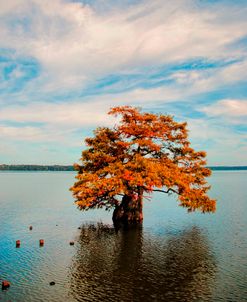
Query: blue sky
[[64, 63]]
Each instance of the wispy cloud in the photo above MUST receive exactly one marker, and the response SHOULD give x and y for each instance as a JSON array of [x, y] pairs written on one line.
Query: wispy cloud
[[73, 114], [228, 108]]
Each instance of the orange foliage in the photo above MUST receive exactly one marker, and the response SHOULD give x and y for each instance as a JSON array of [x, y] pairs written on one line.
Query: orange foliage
[[144, 153]]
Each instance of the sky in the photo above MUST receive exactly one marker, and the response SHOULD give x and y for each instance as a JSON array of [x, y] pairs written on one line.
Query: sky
[[64, 64]]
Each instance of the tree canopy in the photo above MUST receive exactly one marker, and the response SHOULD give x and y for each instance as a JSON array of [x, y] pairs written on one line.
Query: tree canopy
[[143, 153]]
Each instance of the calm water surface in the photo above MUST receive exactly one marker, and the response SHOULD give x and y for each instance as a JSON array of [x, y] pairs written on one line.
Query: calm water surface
[[175, 256]]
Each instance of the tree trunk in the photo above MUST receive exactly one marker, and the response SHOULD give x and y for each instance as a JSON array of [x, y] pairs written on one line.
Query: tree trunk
[[129, 212]]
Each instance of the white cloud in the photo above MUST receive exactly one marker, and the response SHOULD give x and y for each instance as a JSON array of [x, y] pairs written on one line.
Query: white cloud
[[201, 81], [74, 114], [234, 110], [34, 134]]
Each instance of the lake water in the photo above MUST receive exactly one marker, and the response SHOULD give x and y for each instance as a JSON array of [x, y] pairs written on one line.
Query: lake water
[[175, 256]]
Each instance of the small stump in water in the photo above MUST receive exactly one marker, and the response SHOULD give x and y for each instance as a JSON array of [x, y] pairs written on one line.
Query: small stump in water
[[18, 243], [52, 283], [41, 242], [5, 284]]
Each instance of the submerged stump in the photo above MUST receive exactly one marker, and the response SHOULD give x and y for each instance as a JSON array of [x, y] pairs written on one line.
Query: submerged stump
[[5, 284]]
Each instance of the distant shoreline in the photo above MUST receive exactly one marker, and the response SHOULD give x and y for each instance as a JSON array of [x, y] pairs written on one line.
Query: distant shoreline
[[228, 168], [4, 167]]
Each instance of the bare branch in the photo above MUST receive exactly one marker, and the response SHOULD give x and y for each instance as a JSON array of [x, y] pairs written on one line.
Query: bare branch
[[169, 190]]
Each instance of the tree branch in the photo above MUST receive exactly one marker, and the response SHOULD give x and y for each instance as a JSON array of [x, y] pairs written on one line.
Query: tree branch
[[162, 191]]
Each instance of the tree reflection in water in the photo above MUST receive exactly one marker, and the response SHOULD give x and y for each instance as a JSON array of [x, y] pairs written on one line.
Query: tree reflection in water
[[135, 266]]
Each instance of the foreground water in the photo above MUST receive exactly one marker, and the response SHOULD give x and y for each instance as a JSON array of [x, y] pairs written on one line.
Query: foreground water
[[175, 256]]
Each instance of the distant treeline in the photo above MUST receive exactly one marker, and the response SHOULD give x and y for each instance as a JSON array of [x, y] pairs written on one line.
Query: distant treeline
[[228, 168], [71, 168], [36, 168]]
